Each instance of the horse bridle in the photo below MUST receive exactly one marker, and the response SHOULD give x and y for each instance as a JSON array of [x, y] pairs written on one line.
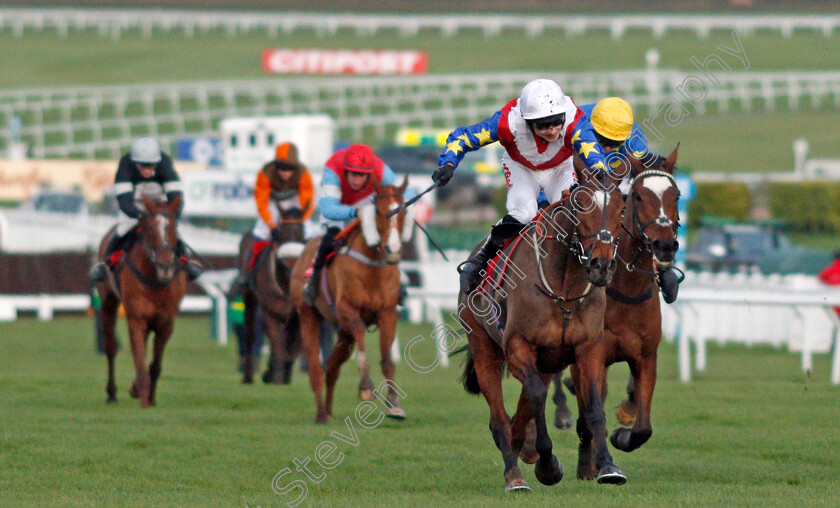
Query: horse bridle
[[576, 240], [644, 241], [153, 258]]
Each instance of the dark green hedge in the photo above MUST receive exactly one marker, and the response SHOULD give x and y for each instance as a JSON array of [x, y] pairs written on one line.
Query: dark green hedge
[[812, 207], [728, 200]]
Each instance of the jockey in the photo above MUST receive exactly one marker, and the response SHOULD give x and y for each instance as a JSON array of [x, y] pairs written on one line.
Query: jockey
[[282, 183], [347, 186], [612, 119], [144, 171], [540, 131]]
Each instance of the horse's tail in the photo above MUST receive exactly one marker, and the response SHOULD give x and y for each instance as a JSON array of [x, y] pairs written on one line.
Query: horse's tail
[[469, 378]]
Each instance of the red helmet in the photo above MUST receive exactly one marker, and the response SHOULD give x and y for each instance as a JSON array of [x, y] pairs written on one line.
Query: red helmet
[[358, 159]]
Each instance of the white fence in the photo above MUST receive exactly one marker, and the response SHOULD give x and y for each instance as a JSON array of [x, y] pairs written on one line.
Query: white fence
[[100, 122], [113, 22]]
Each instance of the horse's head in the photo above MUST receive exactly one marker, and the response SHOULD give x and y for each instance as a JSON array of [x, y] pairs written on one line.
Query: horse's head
[[596, 207], [383, 229], [291, 224], [652, 204], [159, 237]]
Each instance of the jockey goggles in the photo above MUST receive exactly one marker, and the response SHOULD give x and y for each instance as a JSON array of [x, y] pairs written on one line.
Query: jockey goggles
[[549, 122]]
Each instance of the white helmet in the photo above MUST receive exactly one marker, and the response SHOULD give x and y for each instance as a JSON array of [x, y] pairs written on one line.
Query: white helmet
[[145, 151], [542, 98]]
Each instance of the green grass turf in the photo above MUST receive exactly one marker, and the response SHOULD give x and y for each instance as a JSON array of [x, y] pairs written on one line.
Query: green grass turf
[[753, 430]]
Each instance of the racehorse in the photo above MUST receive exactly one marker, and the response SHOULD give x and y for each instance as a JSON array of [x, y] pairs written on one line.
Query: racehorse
[[359, 288], [633, 320], [150, 282], [268, 288], [541, 310]]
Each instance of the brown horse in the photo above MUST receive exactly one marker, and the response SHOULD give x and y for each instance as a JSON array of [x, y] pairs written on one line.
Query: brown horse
[[360, 288], [268, 289], [543, 314], [633, 320], [150, 282]]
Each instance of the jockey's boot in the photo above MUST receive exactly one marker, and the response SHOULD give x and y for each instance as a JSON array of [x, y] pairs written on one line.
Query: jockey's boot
[[669, 284], [313, 285], [100, 268], [192, 267], [471, 269]]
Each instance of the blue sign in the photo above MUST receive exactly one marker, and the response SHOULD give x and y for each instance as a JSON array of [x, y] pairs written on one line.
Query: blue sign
[[687, 192], [202, 150]]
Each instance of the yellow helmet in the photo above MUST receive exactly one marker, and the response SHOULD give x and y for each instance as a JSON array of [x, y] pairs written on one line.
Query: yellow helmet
[[612, 118]]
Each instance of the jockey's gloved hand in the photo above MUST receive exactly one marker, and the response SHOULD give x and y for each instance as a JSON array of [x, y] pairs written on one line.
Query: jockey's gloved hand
[[443, 174], [275, 235]]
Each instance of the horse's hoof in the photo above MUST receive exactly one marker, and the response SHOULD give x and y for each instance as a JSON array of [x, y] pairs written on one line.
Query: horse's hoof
[[111, 400], [396, 413], [322, 418], [133, 391], [247, 380], [563, 418], [517, 486], [611, 475], [551, 474], [366, 395], [626, 413]]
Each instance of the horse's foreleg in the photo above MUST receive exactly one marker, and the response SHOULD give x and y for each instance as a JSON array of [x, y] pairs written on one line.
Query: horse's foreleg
[[387, 332], [310, 329], [590, 389], [586, 459], [522, 365], [274, 333], [341, 352], [138, 330], [162, 335], [644, 380], [108, 320], [248, 360]]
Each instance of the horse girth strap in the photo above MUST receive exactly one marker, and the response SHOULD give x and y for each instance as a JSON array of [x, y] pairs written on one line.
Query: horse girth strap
[[361, 258]]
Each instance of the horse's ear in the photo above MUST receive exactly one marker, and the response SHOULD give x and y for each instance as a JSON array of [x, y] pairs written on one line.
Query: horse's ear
[[377, 185], [176, 203], [402, 187], [148, 203], [671, 162]]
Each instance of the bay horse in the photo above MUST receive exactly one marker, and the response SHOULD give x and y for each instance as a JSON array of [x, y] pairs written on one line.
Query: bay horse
[[540, 312], [633, 319], [268, 288], [150, 282], [359, 288]]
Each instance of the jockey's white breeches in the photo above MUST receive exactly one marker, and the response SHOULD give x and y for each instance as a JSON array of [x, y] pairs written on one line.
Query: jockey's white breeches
[[524, 186]]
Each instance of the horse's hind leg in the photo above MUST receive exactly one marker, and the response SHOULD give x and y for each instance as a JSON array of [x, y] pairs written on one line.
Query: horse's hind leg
[[310, 328], [274, 333], [341, 352], [488, 371], [108, 317], [161, 338], [521, 363], [626, 412], [590, 383], [249, 356], [644, 380], [563, 418], [138, 330]]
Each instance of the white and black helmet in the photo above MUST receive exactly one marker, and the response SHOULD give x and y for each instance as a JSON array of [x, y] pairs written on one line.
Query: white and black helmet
[[145, 151], [542, 98]]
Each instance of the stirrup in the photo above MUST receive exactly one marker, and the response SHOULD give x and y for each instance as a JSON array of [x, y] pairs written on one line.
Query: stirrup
[[193, 269]]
